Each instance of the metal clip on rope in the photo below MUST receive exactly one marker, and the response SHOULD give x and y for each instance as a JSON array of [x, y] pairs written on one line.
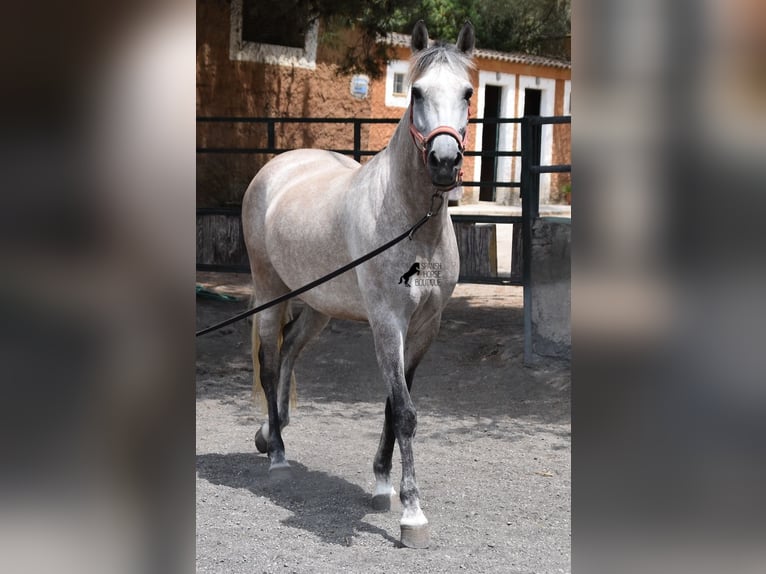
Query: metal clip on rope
[[430, 214]]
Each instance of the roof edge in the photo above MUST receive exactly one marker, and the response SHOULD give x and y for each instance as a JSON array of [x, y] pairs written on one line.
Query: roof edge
[[403, 41]]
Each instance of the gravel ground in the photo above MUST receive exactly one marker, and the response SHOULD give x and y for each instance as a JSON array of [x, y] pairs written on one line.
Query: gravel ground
[[492, 450]]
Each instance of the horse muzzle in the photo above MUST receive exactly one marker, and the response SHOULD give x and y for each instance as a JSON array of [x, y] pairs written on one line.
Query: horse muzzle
[[442, 156], [444, 160]]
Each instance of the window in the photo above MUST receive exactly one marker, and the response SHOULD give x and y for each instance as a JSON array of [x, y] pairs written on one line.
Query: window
[[399, 89], [279, 32], [280, 23]]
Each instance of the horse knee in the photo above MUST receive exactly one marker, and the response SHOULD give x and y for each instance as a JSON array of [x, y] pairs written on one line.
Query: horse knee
[[289, 335], [406, 420]]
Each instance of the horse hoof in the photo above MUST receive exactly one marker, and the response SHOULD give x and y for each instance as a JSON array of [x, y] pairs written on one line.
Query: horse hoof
[[415, 536], [386, 502], [260, 442], [280, 471]]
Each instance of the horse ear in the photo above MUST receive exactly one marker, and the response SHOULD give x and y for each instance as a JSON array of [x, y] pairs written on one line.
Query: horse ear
[[466, 40], [419, 37]]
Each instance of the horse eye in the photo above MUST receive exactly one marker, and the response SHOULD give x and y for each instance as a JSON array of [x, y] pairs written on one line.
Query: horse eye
[[468, 94], [417, 93]]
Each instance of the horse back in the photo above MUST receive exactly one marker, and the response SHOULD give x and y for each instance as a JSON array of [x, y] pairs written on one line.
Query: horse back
[[293, 220]]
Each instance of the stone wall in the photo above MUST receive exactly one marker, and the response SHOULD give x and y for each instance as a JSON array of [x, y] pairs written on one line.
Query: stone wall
[[240, 88]]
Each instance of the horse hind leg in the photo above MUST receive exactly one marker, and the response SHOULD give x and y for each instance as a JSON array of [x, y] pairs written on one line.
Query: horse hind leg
[[295, 335], [266, 332], [261, 436]]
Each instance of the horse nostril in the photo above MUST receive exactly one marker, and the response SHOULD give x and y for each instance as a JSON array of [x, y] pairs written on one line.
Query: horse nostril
[[433, 161]]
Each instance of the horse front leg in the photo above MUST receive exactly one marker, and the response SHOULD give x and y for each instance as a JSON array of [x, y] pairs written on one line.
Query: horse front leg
[[385, 497], [402, 421], [418, 341]]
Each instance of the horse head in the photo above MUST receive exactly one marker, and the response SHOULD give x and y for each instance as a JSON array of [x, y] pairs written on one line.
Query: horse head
[[440, 102]]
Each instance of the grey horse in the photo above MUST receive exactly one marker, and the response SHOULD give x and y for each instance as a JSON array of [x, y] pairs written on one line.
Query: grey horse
[[308, 212]]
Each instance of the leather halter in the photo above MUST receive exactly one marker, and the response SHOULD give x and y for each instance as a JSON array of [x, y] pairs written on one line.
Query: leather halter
[[421, 141]]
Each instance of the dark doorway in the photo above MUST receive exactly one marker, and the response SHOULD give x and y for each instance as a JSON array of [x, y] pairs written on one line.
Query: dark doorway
[[489, 142], [532, 101]]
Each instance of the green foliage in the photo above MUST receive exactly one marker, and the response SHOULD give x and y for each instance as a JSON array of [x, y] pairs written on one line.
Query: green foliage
[[373, 18], [529, 26], [444, 18]]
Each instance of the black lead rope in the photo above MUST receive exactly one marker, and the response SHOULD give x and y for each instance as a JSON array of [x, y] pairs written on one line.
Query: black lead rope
[[289, 295]]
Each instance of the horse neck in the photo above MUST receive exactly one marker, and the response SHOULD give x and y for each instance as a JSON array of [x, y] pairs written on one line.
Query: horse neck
[[409, 180]]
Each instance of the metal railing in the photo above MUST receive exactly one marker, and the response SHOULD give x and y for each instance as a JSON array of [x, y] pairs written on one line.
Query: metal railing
[[529, 183], [357, 152]]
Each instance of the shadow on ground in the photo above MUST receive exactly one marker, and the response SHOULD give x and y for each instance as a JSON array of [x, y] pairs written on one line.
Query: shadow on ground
[[327, 506]]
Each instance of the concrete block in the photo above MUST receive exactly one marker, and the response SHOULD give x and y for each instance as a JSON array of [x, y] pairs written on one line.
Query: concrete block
[[551, 292]]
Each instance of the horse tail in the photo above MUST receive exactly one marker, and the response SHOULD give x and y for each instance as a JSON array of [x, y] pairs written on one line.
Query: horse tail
[[259, 396]]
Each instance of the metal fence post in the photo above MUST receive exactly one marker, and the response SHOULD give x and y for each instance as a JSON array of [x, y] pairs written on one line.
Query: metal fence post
[[271, 142], [358, 140], [530, 210]]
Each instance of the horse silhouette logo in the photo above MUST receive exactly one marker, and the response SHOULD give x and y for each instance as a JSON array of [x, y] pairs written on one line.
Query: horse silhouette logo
[[413, 270]]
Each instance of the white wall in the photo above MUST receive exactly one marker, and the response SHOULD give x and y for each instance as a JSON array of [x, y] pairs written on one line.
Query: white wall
[[394, 100]]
